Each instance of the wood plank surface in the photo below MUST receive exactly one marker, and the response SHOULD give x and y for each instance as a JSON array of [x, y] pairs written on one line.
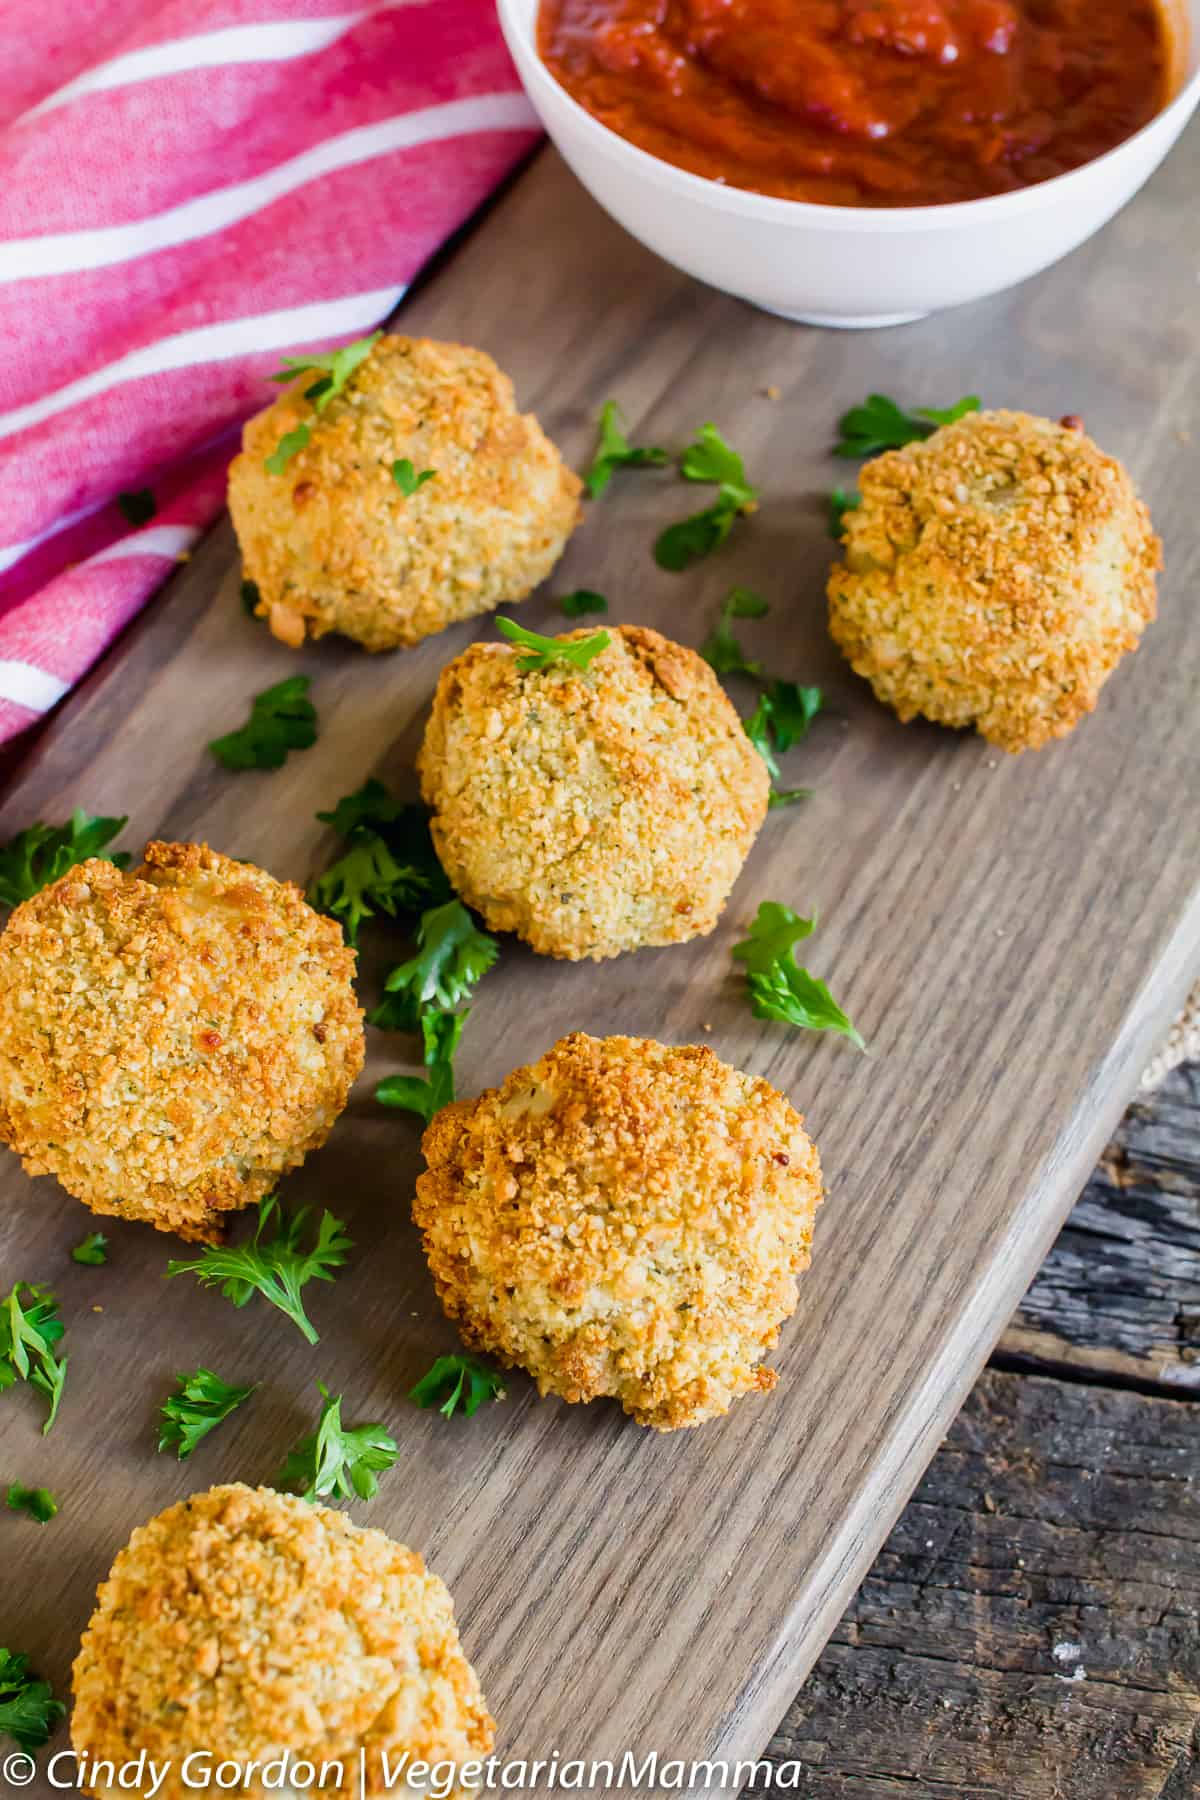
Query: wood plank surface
[[1057, 1515], [1011, 936]]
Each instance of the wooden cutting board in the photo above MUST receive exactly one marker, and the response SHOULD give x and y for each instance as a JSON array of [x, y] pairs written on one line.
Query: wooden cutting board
[[1010, 935]]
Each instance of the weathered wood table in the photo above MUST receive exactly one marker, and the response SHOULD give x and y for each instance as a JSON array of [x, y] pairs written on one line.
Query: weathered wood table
[[1032, 1629]]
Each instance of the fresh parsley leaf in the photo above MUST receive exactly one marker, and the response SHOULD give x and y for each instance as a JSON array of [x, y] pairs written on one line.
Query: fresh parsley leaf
[[614, 451], [29, 1331], [786, 797], [547, 650], [199, 1404], [333, 367], [758, 730], [406, 477], [275, 1267], [879, 424], [282, 718], [708, 458], [250, 598], [793, 709], [289, 445], [452, 955], [840, 503], [42, 853], [390, 865], [138, 507], [440, 1034], [458, 1384], [39, 1503], [93, 1250], [721, 649], [337, 1461], [778, 988], [28, 1710], [582, 601]]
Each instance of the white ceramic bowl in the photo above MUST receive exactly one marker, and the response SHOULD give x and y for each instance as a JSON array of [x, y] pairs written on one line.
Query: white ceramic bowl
[[844, 265]]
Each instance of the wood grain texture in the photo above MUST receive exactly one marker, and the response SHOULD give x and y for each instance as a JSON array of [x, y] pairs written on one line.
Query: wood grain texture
[[942, 1671], [1011, 936]]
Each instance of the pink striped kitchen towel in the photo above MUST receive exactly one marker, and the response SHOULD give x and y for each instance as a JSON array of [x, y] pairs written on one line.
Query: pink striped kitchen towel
[[189, 190]]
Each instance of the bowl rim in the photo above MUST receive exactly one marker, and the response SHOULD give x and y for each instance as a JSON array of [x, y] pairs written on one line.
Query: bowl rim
[[771, 209]]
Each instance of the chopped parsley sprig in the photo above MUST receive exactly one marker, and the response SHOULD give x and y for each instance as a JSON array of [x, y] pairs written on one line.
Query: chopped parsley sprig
[[42, 853], [778, 988], [200, 1403], [337, 1461], [28, 1710], [389, 865], [840, 503], [29, 1330], [709, 459], [93, 1251], [406, 477], [39, 1503], [333, 369], [282, 719], [277, 1267], [543, 651], [458, 1384], [614, 451], [582, 601], [879, 424], [785, 709], [426, 1095]]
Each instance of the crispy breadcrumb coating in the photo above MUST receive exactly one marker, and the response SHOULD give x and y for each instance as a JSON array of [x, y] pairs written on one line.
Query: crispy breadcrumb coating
[[334, 543], [246, 1623], [623, 1219], [591, 811], [173, 1039], [994, 576]]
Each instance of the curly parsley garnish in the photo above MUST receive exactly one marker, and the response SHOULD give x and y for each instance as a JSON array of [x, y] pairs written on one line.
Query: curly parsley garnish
[[709, 458], [289, 445], [39, 1503], [458, 1384], [93, 1250], [282, 719], [582, 601], [389, 865], [199, 1404], [879, 424], [42, 853], [614, 451], [29, 1330], [28, 1710], [778, 988], [440, 1034], [785, 709], [721, 649], [546, 650], [337, 1461], [275, 1267], [406, 477], [139, 507]]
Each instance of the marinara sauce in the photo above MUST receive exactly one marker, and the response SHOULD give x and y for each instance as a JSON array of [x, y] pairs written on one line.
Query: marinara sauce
[[865, 102]]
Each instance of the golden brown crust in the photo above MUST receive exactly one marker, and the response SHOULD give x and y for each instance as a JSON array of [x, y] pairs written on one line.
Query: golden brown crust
[[591, 811], [173, 1039], [334, 544], [246, 1623], [624, 1219], [994, 576]]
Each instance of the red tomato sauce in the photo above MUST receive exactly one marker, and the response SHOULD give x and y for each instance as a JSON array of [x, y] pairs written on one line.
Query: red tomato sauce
[[865, 102]]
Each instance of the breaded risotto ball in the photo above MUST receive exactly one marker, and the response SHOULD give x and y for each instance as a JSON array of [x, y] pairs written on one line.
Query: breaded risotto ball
[[244, 1627], [994, 576], [623, 1219], [174, 1038], [591, 810], [353, 534]]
